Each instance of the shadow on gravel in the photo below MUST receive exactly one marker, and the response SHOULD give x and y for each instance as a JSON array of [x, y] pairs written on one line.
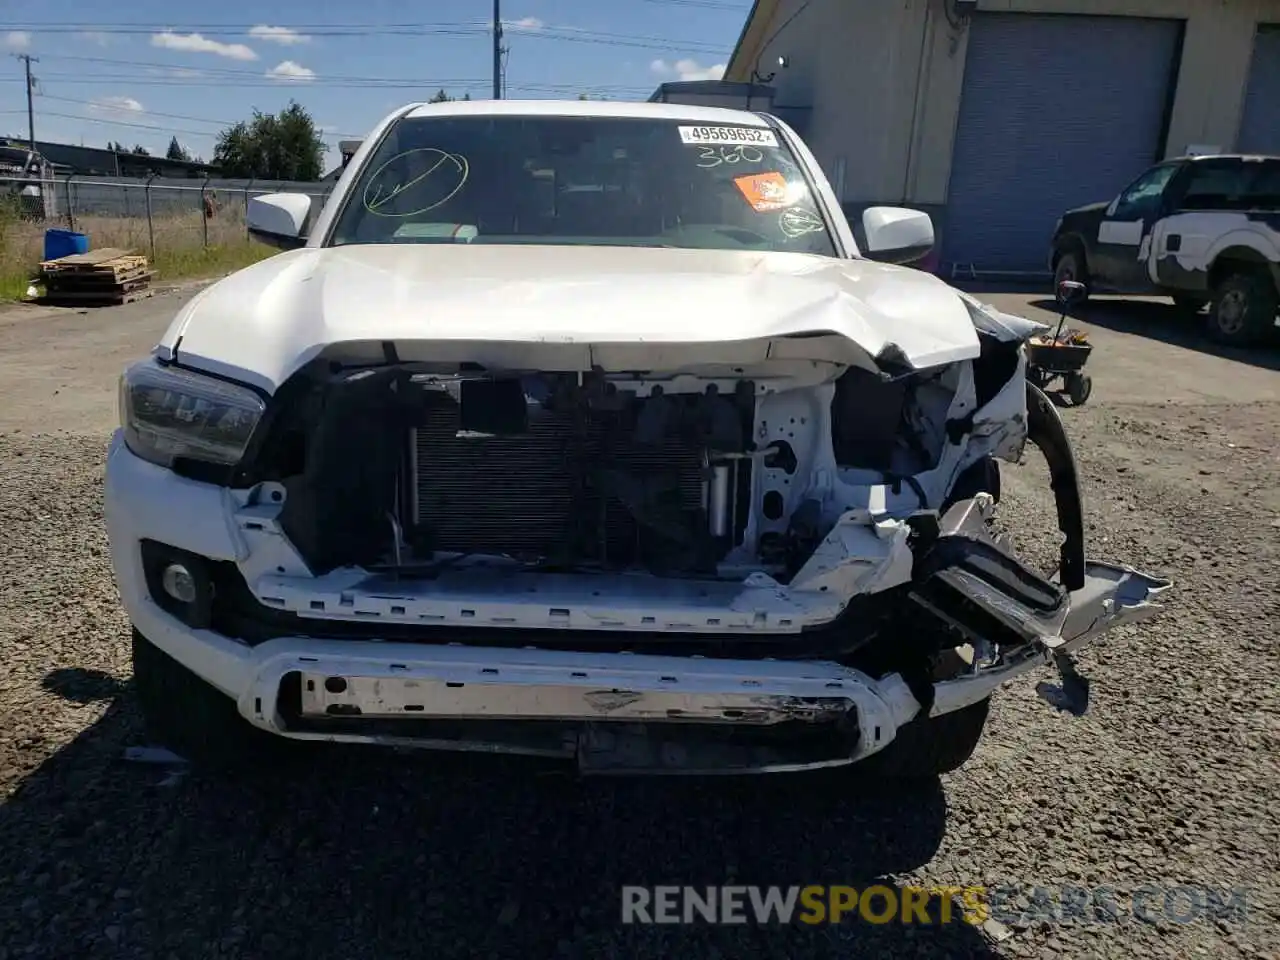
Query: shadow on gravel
[[1164, 322], [360, 853], [83, 686]]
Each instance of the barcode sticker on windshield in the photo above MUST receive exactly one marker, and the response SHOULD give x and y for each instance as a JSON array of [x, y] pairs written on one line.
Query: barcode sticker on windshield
[[730, 136]]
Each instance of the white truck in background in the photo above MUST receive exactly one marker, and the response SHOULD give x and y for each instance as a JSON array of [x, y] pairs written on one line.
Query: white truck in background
[[1204, 230]]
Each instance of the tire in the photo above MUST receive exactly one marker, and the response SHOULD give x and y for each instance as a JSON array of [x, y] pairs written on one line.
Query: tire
[[1071, 266], [1243, 309], [1079, 386], [192, 718], [927, 747]]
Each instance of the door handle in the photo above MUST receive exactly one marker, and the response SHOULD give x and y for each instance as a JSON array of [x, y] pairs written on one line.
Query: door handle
[[1174, 243]]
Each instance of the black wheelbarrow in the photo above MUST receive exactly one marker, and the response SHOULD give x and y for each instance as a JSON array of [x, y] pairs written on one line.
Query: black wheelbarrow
[[1065, 357]]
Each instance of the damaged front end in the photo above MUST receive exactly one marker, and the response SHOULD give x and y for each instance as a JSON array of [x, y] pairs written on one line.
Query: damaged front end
[[773, 560]]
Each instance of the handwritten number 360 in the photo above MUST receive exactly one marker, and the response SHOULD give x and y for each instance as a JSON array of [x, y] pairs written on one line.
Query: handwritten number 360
[[714, 156]]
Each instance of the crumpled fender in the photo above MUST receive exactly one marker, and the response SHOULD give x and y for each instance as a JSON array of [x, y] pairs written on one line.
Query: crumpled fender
[[1046, 430]]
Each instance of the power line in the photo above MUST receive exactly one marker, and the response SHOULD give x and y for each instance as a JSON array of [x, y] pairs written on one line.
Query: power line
[[412, 90], [170, 116], [126, 123], [225, 77], [142, 26], [414, 87], [205, 71], [106, 121], [218, 72], [562, 34]]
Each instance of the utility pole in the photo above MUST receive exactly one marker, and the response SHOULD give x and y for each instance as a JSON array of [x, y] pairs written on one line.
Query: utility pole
[[26, 58], [497, 49]]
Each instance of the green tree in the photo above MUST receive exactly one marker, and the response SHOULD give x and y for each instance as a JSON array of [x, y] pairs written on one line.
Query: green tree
[[117, 146], [442, 97], [177, 151], [140, 150], [283, 146]]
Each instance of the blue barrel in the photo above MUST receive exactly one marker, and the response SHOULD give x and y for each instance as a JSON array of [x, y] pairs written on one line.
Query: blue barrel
[[63, 243]]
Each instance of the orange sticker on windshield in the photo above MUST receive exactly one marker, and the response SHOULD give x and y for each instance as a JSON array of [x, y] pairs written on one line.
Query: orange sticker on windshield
[[764, 191]]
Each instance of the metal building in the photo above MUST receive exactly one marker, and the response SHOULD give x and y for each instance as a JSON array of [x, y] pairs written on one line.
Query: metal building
[[995, 116]]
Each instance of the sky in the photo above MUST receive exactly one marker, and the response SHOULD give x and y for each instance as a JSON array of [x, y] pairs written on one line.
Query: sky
[[150, 72]]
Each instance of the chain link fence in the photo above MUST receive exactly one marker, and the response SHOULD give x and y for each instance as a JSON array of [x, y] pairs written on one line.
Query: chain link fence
[[157, 216]]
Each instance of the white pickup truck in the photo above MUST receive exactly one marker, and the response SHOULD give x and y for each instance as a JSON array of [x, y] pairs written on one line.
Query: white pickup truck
[[1203, 230], [587, 429]]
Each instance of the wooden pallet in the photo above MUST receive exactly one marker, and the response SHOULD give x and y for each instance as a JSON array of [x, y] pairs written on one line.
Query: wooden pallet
[[94, 298], [108, 262], [93, 282]]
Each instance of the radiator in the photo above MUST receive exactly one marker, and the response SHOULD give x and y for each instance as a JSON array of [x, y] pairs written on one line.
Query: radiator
[[521, 495]]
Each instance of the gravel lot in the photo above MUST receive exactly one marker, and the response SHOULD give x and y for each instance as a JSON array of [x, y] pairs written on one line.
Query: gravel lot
[[1171, 778]]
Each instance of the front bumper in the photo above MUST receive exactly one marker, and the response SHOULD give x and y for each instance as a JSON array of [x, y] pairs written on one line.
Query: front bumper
[[613, 711]]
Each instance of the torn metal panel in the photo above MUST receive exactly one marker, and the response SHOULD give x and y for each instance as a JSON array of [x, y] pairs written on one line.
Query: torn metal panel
[[1006, 327], [1113, 595]]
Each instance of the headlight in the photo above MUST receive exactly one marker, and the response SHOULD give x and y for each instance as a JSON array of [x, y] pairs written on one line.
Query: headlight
[[168, 413]]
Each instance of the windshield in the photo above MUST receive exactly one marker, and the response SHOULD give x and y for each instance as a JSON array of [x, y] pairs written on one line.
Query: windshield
[[583, 180]]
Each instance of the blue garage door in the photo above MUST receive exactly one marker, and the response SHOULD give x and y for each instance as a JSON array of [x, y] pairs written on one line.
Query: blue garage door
[[1260, 123], [1055, 112]]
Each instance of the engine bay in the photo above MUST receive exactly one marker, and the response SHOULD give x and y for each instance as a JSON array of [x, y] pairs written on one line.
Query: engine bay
[[567, 475], [410, 470]]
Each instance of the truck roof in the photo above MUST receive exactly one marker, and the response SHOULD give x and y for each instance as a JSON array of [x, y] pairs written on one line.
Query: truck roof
[[585, 108], [1251, 157]]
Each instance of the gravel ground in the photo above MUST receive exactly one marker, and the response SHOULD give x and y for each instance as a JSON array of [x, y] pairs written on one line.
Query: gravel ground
[[1171, 778]]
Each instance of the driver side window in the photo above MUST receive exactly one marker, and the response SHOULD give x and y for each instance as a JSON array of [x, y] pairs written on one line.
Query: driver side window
[[1143, 195]]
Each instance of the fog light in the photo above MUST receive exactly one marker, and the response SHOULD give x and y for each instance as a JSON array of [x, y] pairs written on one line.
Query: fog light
[[179, 583]]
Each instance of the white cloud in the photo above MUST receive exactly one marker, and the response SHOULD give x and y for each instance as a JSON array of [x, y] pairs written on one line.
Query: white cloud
[[291, 70], [97, 37], [16, 40], [687, 70], [196, 43], [115, 106], [284, 36]]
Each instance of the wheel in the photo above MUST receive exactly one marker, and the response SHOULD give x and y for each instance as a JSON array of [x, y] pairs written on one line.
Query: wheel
[[1071, 266], [929, 746], [1079, 386], [1243, 309], [1189, 305], [190, 717]]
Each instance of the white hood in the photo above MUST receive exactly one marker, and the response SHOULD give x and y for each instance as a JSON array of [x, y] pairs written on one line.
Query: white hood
[[263, 323]]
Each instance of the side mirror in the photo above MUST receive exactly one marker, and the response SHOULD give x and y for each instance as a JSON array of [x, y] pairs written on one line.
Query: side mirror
[[279, 219], [897, 235]]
